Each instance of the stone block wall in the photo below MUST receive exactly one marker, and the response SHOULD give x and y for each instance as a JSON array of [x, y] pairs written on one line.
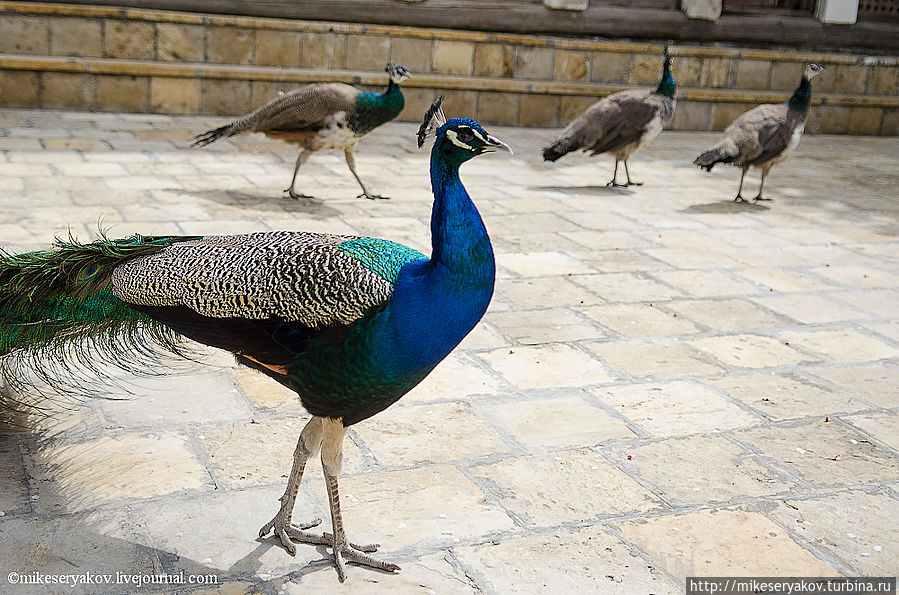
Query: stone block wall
[[112, 59]]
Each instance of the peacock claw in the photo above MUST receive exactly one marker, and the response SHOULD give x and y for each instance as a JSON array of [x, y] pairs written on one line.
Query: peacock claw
[[351, 553], [287, 531], [762, 198], [370, 196], [368, 548]]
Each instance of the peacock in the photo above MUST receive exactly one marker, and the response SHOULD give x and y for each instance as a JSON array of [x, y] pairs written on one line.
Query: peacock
[[350, 324], [765, 135], [621, 124], [319, 117]]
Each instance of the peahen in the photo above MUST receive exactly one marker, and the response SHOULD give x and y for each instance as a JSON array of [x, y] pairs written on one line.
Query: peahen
[[349, 323], [319, 117], [765, 135], [621, 124]]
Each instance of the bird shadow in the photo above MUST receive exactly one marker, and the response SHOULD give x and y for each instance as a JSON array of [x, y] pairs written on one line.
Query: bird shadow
[[727, 206], [235, 198], [596, 190]]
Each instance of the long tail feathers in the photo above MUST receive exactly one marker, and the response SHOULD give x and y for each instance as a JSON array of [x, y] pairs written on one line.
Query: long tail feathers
[[58, 316]]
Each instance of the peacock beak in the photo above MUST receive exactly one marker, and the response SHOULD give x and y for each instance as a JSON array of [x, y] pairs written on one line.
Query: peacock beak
[[494, 144]]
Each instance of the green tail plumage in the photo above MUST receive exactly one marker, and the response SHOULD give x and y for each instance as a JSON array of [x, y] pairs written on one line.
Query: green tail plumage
[[57, 313]]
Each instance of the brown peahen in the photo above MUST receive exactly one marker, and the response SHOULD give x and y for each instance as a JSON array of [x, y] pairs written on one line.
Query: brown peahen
[[621, 124], [319, 117], [765, 135]]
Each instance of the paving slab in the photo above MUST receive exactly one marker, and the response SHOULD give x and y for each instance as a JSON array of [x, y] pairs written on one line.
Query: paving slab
[[667, 383]]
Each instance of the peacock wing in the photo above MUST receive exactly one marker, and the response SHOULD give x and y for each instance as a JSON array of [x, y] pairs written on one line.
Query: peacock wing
[[317, 280]]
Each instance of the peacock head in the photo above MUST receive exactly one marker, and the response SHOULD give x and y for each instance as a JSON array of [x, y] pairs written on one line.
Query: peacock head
[[397, 73], [812, 70], [458, 139]]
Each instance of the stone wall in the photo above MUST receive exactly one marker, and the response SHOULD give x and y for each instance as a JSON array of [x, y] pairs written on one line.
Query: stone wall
[[111, 59]]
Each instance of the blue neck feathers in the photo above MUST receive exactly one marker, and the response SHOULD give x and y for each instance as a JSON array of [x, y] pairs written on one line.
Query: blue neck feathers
[[436, 302]]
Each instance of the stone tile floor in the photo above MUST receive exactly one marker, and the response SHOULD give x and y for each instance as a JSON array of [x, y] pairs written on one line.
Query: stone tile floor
[[667, 383]]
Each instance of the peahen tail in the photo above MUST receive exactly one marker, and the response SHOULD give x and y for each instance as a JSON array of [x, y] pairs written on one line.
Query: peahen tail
[[57, 312], [210, 136], [561, 146], [723, 152]]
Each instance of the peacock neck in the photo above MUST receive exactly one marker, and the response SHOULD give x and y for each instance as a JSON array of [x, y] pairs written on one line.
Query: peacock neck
[[437, 301], [802, 96], [459, 240]]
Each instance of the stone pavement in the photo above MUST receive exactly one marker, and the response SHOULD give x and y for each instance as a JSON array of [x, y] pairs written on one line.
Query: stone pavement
[[666, 384]]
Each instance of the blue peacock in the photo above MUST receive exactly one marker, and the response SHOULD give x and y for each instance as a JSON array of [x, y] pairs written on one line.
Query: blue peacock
[[319, 117], [349, 323]]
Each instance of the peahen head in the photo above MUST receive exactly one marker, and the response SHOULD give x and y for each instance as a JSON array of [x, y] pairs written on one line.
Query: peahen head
[[667, 86], [397, 73], [457, 140], [812, 70]]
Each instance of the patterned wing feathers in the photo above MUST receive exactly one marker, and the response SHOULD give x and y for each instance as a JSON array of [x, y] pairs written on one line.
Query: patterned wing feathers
[[296, 276]]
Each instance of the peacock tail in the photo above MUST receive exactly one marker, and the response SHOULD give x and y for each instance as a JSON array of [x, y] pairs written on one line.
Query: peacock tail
[[57, 313], [72, 313]]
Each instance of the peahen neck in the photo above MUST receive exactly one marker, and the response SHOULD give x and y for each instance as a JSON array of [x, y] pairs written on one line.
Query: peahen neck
[[802, 96], [667, 86], [374, 109]]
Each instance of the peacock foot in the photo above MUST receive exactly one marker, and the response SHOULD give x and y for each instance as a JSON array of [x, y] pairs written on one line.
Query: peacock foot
[[614, 184], [287, 531], [351, 552], [629, 183], [762, 198], [739, 198], [371, 196]]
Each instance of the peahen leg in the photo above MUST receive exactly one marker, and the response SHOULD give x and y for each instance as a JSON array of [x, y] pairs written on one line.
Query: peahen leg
[[759, 196], [614, 181], [344, 551], [350, 154], [307, 446], [628, 174], [301, 159], [739, 197]]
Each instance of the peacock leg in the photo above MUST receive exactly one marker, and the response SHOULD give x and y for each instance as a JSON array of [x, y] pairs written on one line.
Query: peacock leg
[[344, 551], [350, 154], [301, 159], [759, 196], [307, 446], [629, 183], [739, 197]]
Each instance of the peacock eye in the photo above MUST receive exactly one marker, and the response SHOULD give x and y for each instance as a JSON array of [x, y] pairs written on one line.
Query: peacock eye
[[465, 135]]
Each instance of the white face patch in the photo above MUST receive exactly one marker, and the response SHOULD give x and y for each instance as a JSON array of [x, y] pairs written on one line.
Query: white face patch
[[454, 138]]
